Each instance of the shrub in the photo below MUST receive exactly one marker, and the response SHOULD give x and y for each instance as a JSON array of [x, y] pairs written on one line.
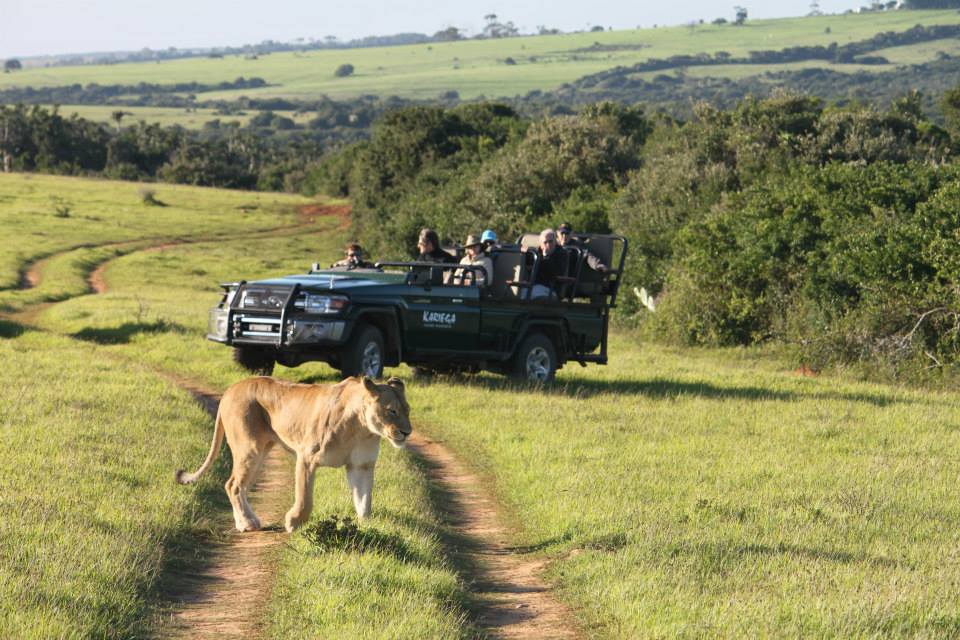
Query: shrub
[[343, 71]]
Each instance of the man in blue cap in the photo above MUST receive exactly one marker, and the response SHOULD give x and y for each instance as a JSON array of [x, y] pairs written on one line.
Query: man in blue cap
[[489, 240]]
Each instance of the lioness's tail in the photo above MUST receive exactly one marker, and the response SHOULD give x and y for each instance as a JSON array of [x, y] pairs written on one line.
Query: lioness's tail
[[188, 478]]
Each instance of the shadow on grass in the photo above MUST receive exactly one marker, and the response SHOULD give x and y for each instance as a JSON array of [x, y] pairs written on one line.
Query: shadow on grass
[[669, 389], [10, 329], [342, 534], [719, 557], [125, 332]]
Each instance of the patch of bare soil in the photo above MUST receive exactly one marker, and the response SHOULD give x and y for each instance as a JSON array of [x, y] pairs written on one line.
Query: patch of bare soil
[[514, 602], [226, 598], [310, 212]]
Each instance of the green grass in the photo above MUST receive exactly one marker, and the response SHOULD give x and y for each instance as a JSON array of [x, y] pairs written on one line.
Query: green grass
[[90, 509], [167, 116], [52, 214], [712, 494], [154, 317], [679, 493], [475, 67]]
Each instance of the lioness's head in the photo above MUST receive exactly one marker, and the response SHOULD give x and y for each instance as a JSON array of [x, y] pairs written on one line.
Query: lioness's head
[[385, 410]]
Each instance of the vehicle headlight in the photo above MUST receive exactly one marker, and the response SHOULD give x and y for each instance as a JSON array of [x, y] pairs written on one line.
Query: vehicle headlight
[[319, 303], [217, 323]]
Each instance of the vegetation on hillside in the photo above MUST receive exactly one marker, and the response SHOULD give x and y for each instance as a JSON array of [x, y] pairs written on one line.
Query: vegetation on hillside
[[782, 220]]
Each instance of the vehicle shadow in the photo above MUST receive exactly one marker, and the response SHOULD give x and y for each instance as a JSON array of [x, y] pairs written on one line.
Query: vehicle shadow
[[668, 388], [10, 329], [124, 333]]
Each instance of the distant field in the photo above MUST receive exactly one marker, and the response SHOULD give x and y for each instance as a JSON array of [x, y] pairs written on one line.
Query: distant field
[[193, 119], [476, 67]]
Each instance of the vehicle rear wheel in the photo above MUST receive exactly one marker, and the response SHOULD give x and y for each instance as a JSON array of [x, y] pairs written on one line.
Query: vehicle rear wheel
[[536, 359], [364, 353], [256, 361]]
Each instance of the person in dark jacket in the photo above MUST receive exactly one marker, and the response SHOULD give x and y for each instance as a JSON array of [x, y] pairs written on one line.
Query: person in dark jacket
[[429, 246], [566, 240], [553, 264]]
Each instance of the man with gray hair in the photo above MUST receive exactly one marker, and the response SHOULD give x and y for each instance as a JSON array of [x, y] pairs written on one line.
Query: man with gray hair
[[553, 264]]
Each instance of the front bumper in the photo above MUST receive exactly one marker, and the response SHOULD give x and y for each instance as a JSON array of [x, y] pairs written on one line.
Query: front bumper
[[227, 326]]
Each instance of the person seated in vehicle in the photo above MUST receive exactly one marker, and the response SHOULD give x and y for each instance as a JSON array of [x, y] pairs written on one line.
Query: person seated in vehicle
[[566, 240], [474, 257], [353, 258], [429, 246], [489, 240], [553, 265]]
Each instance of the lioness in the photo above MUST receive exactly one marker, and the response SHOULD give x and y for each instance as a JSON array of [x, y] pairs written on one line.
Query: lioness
[[324, 425]]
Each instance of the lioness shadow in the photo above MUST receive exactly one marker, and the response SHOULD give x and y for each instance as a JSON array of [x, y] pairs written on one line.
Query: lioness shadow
[[124, 333], [342, 534]]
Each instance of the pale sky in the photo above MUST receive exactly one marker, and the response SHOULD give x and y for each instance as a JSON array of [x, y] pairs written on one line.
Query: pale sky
[[36, 27]]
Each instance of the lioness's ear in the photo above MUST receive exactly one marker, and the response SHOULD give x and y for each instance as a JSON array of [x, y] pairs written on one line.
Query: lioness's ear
[[396, 383], [369, 384]]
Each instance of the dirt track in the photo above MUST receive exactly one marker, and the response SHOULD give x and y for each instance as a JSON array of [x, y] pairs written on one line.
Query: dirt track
[[225, 598]]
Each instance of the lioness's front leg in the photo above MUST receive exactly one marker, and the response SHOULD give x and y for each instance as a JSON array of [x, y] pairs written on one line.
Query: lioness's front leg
[[303, 494], [360, 479]]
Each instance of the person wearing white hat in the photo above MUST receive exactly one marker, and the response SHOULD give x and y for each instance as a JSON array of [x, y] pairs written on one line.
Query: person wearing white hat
[[474, 257]]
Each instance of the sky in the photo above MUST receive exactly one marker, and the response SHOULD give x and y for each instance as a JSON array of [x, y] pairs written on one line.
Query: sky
[[38, 27]]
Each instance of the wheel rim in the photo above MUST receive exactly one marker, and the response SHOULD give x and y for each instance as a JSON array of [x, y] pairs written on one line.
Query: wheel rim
[[538, 364], [370, 363]]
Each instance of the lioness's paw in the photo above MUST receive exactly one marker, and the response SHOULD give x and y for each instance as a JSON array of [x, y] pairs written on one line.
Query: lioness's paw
[[252, 525], [291, 523]]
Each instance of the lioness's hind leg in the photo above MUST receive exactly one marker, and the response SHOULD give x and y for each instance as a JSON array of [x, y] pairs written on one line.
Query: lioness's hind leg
[[246, 464]]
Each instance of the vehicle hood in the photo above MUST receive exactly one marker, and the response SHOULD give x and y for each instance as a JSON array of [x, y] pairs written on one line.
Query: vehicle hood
[[335, 280]]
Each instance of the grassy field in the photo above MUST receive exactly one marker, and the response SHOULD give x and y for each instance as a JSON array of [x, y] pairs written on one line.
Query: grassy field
[[49, 214], [192, 119], [476, 67], [679, 493]]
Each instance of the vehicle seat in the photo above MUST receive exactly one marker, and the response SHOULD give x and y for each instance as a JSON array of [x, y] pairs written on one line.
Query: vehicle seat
[[591, 282], [511, 272]]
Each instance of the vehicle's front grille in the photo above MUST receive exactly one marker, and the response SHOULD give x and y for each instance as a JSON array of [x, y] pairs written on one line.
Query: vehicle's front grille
[[258, 327]]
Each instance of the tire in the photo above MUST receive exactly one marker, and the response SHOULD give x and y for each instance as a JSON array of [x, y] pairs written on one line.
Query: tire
[[364, 354], [536, 360], [256, 361]]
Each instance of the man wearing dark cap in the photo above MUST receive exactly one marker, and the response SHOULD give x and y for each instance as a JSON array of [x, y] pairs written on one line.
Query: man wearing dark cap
[[566, 240]]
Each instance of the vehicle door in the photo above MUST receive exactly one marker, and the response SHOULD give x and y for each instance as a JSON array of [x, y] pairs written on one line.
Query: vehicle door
[[441, 318]]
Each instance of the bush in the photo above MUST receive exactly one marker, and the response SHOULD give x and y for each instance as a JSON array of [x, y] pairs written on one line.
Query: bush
[[343, 71]]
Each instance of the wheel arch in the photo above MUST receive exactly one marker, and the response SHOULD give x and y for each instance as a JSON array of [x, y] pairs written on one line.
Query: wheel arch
[[385, 320]]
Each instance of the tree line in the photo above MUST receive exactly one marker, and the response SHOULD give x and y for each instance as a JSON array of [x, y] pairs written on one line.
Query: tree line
[[830, 230]]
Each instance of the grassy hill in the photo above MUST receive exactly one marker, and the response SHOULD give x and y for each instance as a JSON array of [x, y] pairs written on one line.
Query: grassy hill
[[674, 493], [478, 67]]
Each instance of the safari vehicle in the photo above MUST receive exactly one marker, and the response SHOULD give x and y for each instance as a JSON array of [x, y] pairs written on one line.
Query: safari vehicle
[[361, 320]]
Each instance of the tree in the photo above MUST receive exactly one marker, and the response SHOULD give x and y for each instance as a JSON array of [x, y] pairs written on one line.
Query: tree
[[344, 70], [117, 116], [741, 15], [449, 34], [12, 65]]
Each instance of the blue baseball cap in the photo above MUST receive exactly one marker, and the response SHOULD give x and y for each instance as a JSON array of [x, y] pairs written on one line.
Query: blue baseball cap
[[488, 235]]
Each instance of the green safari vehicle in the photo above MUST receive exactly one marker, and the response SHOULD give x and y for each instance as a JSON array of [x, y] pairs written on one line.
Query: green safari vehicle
[[360, 321]]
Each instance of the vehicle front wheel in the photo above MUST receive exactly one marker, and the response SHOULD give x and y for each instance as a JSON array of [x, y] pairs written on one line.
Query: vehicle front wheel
[[256, 361], [536, 359], [364, 354]]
